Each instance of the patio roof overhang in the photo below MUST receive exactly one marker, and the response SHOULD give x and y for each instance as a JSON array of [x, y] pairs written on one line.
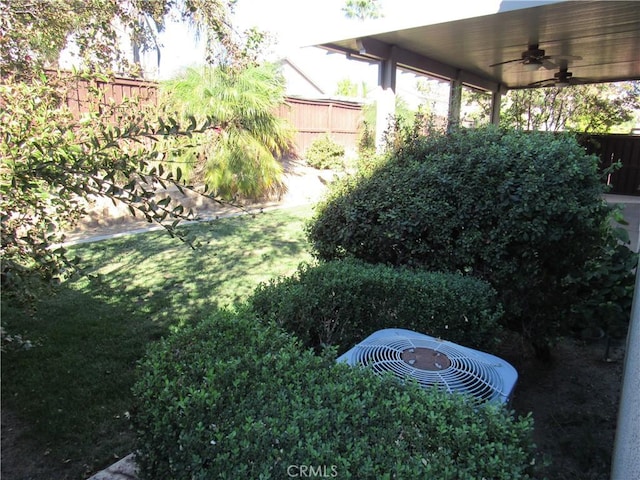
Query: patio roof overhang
[[601, 37]]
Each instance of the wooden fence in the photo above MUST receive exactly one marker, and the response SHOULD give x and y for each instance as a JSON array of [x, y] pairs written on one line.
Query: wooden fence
[[341, 119], [118, 90], [310, 118], [314, 118], [79, 97], [618, 148]]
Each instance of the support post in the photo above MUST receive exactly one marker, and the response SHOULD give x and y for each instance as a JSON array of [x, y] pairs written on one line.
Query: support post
[[386, 104], [455, 104], [496, 98]]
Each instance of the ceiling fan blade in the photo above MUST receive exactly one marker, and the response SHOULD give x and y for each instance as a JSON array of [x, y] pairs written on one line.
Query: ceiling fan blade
[[540, 83], [549, 65], [565, 57], [505, 62], [581, 80]]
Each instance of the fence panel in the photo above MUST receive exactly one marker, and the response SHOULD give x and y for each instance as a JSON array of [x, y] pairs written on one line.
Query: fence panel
[[341, 119], [310, 118], [314, 118], [619, 148], [116, 90]]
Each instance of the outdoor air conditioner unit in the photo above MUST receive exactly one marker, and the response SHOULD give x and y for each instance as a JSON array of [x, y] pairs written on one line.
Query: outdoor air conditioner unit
[[434, 362]]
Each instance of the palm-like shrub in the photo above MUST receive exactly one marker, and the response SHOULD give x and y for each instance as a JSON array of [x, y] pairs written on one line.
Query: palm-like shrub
[[240, 158]]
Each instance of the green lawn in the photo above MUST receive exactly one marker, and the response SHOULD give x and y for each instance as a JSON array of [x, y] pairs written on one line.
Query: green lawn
[[73, 388]]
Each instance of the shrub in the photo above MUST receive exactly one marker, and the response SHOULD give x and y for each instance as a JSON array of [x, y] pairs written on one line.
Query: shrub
[[608, 287], [231, 398], [324, 153], [340, 303], [520, 210], [366, 139], [368, 158]]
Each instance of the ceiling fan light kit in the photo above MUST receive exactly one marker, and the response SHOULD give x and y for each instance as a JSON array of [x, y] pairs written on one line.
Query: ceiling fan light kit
[[562, 78], [531, 65], [535, 58]]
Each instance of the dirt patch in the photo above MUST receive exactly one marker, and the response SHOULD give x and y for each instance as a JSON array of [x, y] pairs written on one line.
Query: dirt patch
[[303, 185], [23, 458], [574, 401]]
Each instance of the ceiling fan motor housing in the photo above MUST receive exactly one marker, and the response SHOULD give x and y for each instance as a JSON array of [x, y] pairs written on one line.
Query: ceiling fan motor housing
[[563, 74], [532, 54], [433, 362]]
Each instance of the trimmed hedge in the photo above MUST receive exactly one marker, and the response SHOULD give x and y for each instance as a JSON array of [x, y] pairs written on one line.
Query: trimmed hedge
[[339, 303], [231, 398], [523, 211]]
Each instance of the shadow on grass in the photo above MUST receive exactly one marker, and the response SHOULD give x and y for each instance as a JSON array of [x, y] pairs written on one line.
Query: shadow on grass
[[170, 278], [73, 390]]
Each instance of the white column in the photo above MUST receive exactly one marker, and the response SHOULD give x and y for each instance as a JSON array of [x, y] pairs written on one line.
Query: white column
[[455, 104], [386, 102], [626, 449]]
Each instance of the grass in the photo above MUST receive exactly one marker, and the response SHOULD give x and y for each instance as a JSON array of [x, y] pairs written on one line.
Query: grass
[[71, 393], [73, 389]]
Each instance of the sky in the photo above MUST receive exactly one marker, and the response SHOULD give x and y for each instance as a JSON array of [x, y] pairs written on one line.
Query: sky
[[305, 22], [296, 24]]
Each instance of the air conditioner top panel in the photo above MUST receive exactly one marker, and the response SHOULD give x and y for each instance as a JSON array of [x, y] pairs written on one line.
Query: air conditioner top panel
[[435, 362]]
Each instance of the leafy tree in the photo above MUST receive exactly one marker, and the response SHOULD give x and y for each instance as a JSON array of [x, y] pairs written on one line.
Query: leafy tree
[[362, 9], [402, 111], [596, 108], [478, 107], [349, 88], [52, 162], [431, 92], [240, 156], [603, 107], [33, 33]]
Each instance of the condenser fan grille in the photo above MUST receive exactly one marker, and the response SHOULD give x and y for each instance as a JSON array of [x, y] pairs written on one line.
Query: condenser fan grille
[[431, 362]]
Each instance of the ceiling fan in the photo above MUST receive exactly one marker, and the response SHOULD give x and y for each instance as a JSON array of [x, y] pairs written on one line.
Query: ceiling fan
[[562, 78], [534, 57]]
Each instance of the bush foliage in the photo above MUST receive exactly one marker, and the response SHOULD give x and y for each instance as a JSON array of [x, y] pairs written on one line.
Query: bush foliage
[[523, 211], [239, 159], [231, 398], [340, 303], [324, 153], [53, 163]]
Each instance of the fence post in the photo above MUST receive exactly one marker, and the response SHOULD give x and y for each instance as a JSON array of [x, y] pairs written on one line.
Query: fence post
[[330, 126]]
